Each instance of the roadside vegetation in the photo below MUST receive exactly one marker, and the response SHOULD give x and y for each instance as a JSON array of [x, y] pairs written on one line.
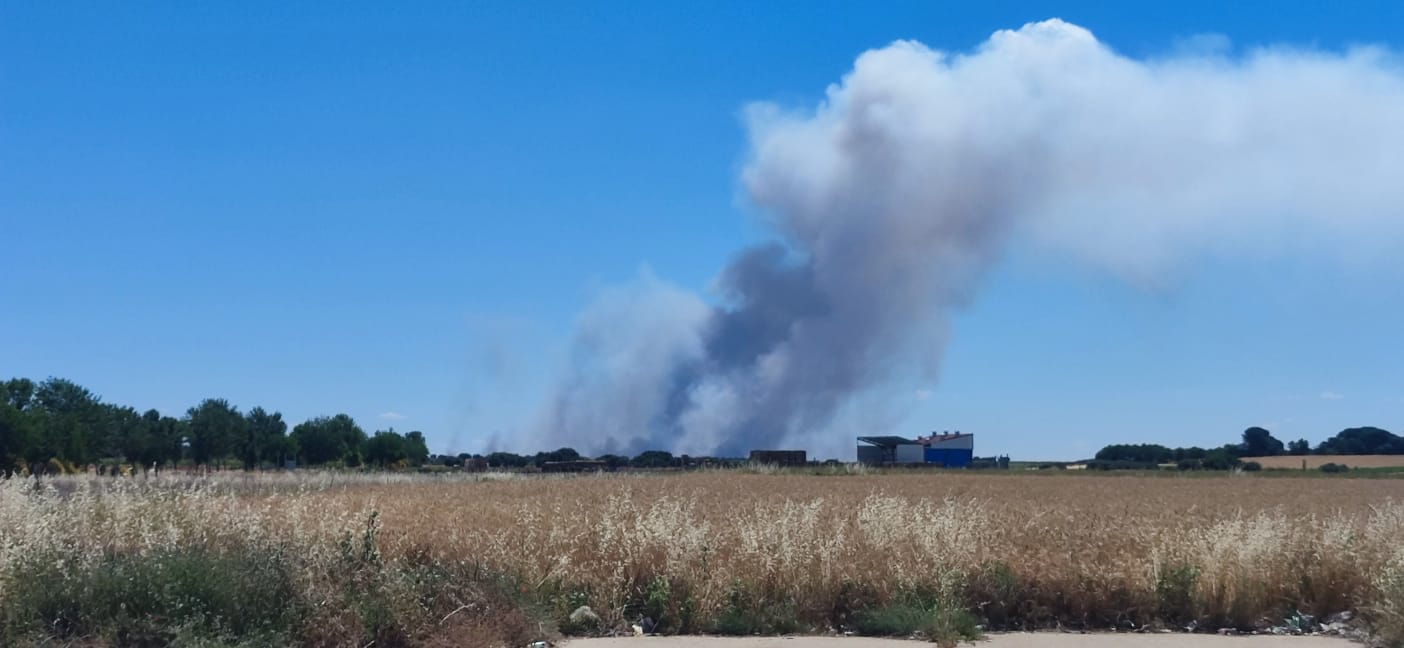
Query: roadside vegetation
[[491, 559]]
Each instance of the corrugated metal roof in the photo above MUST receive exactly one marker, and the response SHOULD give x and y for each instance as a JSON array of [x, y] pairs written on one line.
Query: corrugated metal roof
[[886, 441], [934, 436]]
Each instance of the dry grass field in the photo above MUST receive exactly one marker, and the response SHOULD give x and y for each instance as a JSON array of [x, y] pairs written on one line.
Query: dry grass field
[[1314, 462], [500, 560]]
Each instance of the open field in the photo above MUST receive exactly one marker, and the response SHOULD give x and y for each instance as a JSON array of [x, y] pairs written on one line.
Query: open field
[[504, 560], [1316, 461]]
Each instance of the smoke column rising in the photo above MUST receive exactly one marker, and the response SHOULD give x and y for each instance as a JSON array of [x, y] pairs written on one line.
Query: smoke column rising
[[891, 198]]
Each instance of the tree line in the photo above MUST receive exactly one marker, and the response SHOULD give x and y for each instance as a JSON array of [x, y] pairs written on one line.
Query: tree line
[[59, 426], [1256, 442]]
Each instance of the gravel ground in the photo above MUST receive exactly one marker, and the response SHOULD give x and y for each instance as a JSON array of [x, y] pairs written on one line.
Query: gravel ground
[[1002, 640]]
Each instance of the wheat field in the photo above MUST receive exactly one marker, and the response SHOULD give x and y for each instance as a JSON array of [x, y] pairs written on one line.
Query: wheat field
[[505, 560], [1314, 462]]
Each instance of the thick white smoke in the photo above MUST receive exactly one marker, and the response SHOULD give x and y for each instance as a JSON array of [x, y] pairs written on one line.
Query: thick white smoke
[[894, 195]]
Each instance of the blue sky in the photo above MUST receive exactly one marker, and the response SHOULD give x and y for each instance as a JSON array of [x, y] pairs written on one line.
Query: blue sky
[[400, 211]]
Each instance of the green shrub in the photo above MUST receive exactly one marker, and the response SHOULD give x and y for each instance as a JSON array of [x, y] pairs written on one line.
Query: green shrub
[[892, 620], [140, 600], [945, 623], [411, 604], [657, 600], [1001, 597], [847, 601], [1174, 591], [1100, 464], [567, 602], [938, 614], [1218, 460], [1251, 466], [670, 605], [746, 614], [1334, 468]]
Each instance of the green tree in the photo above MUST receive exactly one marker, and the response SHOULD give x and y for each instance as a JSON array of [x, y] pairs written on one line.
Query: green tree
[[1258, 442], [22, 439], [162, 440], [1220, 459], [1191, 454], [1299, 447], [653, 459], [74, 423], [1362, 441], [384, 448], [18, 393], [216, 427], [327, 439], [1148, 453], [614, 461], [170, 438], [560, 454], [16, 437], [265, 438], [416, 448], [506, 460], [355, 439], [132, 438]]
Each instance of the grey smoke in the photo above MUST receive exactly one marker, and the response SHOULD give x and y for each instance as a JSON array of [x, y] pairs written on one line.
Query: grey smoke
[[892, 197]]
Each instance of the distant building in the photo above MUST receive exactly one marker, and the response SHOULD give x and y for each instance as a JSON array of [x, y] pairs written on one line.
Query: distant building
[[578, 465], [475, 464], [780, 457], [949, 450]]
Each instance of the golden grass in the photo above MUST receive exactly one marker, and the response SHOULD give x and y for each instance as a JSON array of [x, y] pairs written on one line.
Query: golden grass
[[1316, 461], [810, 536], [689, 549]]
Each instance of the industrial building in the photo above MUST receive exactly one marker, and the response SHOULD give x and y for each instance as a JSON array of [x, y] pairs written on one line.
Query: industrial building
[[578, 465], [949, 450], [780, 457]]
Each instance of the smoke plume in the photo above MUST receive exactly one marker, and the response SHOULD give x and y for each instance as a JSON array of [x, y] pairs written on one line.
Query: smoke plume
[[893, 196]]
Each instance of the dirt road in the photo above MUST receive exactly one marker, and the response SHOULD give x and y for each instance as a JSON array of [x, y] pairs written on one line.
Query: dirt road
[[1009, 640]]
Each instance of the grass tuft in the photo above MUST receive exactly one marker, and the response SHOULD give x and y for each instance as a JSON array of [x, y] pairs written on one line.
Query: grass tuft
[[944, 622], [1387, 612]]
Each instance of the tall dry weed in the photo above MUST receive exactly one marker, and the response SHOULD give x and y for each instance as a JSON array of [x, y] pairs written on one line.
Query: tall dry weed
[[407, 560]]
